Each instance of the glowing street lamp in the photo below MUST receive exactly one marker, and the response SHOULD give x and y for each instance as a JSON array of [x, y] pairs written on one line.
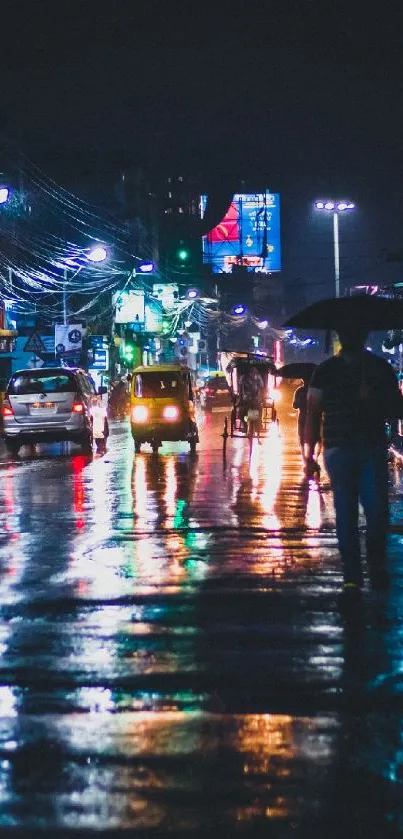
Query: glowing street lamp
[[146, 267], [335, 207], [97, 253], [240, 309], [4, 194]]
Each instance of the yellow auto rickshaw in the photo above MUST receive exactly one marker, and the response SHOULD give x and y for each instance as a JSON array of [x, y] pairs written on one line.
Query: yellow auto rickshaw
[[162, 406]]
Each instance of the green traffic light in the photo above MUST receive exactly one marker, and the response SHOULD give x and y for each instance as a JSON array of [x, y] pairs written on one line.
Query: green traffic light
[[128, 353], [183, 254]]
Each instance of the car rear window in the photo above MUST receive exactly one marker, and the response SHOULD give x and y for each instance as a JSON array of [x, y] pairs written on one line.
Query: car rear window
[[39, 382], [217, 384], [153, 385]]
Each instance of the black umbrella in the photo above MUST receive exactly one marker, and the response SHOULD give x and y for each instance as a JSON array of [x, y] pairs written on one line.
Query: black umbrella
[[367, 311], [297, 370]]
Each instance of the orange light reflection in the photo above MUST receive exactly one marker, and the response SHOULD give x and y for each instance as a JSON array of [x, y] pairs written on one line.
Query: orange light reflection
[[313, 515]]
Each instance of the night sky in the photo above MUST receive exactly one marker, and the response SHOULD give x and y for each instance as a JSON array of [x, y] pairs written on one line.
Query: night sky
[[304, 98]]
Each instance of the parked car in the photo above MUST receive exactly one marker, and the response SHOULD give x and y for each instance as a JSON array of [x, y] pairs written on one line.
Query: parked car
[[48, 405], [215, 395]]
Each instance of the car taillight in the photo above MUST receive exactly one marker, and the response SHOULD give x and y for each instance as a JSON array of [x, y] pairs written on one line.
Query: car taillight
[[170, 412], [208, 390], [139, 413], [7, 410], [78, 408]]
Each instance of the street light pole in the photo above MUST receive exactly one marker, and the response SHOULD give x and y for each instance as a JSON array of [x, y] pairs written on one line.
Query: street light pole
[[336, 253], [96, 254], [335, 207]]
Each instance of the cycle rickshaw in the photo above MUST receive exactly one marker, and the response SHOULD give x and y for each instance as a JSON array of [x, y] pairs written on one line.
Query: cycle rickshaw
[[245, 419]]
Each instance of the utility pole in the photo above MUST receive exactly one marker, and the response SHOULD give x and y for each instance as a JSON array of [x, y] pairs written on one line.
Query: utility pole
[[65, 296]]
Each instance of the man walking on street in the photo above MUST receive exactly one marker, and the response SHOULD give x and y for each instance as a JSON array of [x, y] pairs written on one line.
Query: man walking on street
[[354, 394]]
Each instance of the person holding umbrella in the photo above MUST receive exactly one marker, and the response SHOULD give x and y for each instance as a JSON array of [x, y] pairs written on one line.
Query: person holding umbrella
[[300, 370], [353, 395]]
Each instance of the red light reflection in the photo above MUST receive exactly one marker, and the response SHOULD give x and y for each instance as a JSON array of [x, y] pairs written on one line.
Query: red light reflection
[[78, 463]]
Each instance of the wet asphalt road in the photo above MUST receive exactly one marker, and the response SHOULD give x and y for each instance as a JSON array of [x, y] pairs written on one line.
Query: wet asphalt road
[[173, 661]]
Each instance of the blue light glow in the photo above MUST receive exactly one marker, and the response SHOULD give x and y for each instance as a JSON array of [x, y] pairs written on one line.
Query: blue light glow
[[146, 267]]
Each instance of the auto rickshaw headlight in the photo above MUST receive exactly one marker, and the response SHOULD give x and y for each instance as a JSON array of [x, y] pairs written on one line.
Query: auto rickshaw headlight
[[139, 413], [170, 412]]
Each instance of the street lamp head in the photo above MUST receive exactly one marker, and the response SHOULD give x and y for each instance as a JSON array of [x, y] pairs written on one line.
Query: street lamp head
[[334, 206], [146, 267], [263, 324], [239, 310], [192, 294], [98, 253], [4, 194]]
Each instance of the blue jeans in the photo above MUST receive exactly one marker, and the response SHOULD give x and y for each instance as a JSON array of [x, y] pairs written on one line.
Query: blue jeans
[[359, 473]]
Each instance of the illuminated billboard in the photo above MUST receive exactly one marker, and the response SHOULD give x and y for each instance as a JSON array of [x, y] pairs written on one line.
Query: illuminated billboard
[[153, 320], [247, 236], [129, 306], [166, 293]]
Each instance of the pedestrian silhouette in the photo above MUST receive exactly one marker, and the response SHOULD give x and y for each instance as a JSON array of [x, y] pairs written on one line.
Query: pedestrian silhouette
[[355, 393]]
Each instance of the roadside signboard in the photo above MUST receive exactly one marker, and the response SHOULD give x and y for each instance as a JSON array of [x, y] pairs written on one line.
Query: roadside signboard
[[68, 338], [99, 360], [35, 345]]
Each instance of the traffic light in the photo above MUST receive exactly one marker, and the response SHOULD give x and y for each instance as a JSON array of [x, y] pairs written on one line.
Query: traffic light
[[182, 254], [128, 346], [128, 352]]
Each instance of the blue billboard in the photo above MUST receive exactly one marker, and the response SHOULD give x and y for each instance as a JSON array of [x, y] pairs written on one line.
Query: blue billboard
[[247, 236]]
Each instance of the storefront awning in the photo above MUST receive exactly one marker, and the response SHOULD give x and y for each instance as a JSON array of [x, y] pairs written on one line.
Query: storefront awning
[[8, 333]]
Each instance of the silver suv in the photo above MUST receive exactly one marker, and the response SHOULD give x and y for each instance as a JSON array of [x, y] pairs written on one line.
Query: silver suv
[[47, 405]]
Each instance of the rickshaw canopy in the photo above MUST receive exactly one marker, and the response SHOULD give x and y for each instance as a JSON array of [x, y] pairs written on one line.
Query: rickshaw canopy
[[241, 362]]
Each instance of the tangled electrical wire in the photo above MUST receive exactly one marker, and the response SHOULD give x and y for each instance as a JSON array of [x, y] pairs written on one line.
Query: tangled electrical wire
[[211, 320], [46, 236]]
